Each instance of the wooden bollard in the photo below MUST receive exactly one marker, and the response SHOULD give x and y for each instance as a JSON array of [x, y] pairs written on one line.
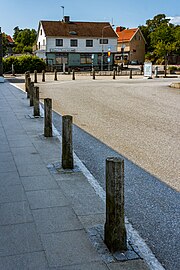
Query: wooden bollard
[[73, 75], [43, 76], [55, 75], [28, 86], [93, 73], [115, 232], [48, 117], [69, 71], [35, 76], [36, 101], [114, 74], [31, 93], [67, 146], [130, 74], [27, 75]]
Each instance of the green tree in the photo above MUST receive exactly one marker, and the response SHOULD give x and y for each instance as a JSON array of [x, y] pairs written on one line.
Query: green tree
[[24, 39], [161, 36], [4, 43]]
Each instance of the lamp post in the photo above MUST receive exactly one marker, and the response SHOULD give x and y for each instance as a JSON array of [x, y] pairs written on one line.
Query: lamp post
[[102, 40]]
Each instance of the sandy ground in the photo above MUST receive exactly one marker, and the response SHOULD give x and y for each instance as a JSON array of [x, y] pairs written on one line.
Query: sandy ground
[[138, 118]]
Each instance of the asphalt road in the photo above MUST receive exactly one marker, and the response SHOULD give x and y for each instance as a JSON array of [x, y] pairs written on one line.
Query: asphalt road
[[138, 120]]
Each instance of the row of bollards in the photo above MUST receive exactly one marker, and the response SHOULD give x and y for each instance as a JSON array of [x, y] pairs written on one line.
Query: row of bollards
[[73, 75], [114, 230]]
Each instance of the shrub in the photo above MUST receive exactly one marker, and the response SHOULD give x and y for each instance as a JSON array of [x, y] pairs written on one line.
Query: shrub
[[23, 63]]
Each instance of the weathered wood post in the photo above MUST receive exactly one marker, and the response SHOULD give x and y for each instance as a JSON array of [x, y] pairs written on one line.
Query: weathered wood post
[[165, 71], [36, 101], [93, 73], [43, 75], [35, 76], [28, 86], [114, 74], [67, 146], [115, 232], [31, 93], [73, 75], [69, 71], [27, 74], [130, 74], [55, 75], [48, 117]]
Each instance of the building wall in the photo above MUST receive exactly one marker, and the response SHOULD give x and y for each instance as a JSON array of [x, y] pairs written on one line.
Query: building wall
[[137, 48], [97, 47]]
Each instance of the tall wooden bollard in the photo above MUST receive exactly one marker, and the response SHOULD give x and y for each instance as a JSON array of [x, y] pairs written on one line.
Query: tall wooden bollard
[[31, 93], [93, 73], [130, 74], [35, 76], [43, 76], [27, 75], [28, 86], [55, 75], [67, 145], [69, 71], [48, 117], [36, 101], [73, 75], [114, 74], [115, 232]]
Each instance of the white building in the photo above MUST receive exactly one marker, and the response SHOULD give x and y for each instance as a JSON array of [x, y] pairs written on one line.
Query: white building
[[77, 44]]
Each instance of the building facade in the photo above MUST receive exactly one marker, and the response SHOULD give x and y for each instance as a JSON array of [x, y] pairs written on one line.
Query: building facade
[[131, 45], [76, 44]]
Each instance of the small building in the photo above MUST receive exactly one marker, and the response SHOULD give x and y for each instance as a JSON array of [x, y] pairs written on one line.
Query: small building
[[10, 45], [76, 44], [131, 45]]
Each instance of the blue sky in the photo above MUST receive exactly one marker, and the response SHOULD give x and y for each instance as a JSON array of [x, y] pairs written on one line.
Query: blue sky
[[130, 13]]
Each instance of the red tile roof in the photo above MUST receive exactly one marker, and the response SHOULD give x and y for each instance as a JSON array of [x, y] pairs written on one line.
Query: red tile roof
[[126, 35], [79, 29], [9, 38]]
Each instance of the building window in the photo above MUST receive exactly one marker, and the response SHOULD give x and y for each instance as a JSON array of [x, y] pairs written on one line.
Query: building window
[[86, 58], [89, 43], [103, 41], [41, 32], [74, 42], [44, 43], [59, 42], [61, 58]]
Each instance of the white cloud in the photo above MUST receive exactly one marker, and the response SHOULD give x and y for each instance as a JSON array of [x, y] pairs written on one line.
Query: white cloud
[[175, 20]]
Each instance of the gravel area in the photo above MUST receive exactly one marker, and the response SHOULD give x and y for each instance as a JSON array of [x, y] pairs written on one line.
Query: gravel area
[[138, 118]]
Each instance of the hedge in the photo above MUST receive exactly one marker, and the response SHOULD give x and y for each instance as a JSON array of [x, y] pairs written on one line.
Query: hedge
[[23, 63]]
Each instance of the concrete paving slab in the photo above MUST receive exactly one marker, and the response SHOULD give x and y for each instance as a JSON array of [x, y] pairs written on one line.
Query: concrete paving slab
[[7, 166], [6, 157], [19, 238], [32, 169], [129, 265], [4, 147], [38, 182], [46, 198], [56, 219], [30, 261], [89, 266], [12, 194], [14, 213], [9, 179], [90, 221], [68, 248], [20, 142]]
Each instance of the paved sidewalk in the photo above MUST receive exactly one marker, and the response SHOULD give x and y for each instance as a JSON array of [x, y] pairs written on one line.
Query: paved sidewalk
[[50, 219]]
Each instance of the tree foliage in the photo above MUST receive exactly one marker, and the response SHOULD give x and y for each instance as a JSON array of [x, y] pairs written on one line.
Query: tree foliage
[[162, 37], [4, 43], [24, 39], [23, 63]]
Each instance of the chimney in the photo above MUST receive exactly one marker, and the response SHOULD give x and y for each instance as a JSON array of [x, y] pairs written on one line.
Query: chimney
[[119, 29], [66, 19]]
